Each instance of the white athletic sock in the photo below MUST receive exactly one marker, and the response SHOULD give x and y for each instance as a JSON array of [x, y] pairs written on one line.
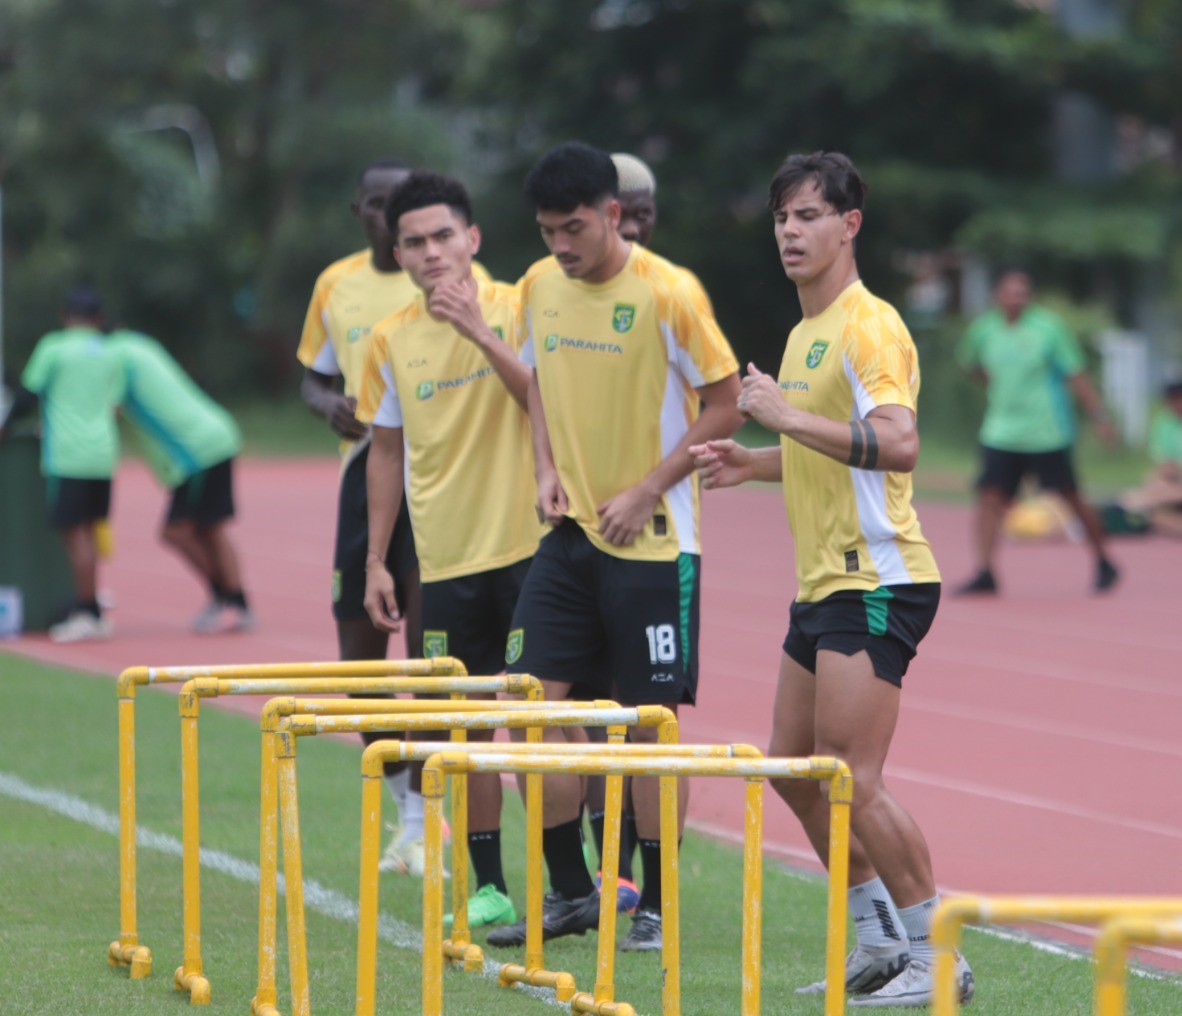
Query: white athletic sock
[[917, 921], [399, 784], [876, 921], [412, 817]]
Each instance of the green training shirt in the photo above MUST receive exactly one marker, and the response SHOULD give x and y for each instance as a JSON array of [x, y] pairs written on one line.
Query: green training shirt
[[1028, 404], [79, 380], [182, 429], [1165, 437]]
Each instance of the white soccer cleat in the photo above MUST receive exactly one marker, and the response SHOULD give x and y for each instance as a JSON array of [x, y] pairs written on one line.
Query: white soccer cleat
[[406, 857], [914, 987], [867, 968]]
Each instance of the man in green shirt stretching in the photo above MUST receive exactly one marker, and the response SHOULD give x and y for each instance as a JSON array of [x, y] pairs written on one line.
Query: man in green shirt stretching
[[190, 442], [1032, 365]]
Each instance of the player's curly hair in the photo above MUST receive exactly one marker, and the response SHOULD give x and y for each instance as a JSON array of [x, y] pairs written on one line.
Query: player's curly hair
[[422, 189], [570, 175], [836, 177]]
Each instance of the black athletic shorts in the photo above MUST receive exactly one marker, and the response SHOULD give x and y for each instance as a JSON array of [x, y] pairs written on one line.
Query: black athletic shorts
[[205, 498], [348, 559], [75, 502], [622, 629], [888, 622], [1004, 471], [469, 617]]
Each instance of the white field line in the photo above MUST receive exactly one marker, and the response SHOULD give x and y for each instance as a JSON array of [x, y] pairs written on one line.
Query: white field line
[[317, 897]]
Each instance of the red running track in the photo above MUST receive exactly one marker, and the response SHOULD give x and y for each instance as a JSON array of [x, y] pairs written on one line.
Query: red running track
[[1039, 742]]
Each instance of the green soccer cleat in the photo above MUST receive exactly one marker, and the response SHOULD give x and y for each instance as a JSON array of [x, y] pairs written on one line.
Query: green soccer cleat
[[488, 906]]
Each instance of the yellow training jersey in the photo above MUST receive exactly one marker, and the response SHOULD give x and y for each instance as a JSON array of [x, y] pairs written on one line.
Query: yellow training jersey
[[349, 298], [617, 365], [469, 460], [853, 528]]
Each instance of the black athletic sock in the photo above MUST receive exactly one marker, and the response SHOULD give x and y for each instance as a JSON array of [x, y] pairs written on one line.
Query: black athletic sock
[[91, 607], [595, 821], [485, 851], [650, 859], [562, 847], [216, 592], [627, 845], [235, 599]]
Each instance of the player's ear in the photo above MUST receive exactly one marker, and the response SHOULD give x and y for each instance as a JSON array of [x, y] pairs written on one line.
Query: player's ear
[[398, 256], [474, 239], [853, 223], [612, 213]]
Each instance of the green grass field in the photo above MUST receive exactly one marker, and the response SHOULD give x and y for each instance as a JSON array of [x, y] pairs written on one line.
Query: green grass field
[[58, 854]]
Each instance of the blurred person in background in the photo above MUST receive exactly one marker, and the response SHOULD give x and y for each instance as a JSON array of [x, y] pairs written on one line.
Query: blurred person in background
[[79, 381], [190, 443], [1159, 499], [1031, 364]]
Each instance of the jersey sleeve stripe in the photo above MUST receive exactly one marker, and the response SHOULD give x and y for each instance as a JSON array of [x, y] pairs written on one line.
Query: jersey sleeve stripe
[[389, 413]]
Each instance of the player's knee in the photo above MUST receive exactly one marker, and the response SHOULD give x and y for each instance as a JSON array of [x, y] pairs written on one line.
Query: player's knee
[[802, 796]]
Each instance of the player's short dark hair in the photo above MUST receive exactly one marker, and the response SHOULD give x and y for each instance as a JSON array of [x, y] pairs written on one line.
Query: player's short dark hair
[[835, 175], [422, 189], [379, 164], [570, 175], [83, 302]]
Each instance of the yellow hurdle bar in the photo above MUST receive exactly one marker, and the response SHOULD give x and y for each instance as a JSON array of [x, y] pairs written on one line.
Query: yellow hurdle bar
[[952, 915], [190, 976], [457, 717], [380, 752], [274, 715], [1112, 953], [832, 770], [128, 951]]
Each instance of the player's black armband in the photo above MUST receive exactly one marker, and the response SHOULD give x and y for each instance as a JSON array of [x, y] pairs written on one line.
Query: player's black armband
[[871, 448], [857, 445]]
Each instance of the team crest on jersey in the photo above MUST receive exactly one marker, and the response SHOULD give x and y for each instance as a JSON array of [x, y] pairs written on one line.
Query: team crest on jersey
[[434, 644], [623, 317], [356, 333], [499, 332], [551, 343], [425, 390], [515, 645], [816, 354]]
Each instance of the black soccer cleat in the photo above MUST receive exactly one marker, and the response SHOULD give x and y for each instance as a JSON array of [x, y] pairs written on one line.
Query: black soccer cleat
[[560, 916]]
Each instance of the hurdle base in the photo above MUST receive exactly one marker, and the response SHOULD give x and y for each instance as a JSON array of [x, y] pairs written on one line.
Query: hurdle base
[[562, 982], [196, 985], [258, 1008], [582, 1002], [471, 956], [129, 954]]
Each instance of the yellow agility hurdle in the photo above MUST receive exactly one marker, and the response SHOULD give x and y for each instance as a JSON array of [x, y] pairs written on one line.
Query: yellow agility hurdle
[[952, 915], [832, 770], [1111, 950], [128, 951], [371, 801], [445, 716], [274, 713], [190, 976]]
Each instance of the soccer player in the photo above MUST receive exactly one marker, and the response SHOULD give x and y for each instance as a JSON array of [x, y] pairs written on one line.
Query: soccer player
[[1032, 365], [844, 407], [190, 442], [638, 198], [629, 370], [349, 298], [445, 393], [79, 381]]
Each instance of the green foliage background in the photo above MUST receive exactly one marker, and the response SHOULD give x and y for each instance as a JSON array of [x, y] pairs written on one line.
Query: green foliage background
[[947, 105]]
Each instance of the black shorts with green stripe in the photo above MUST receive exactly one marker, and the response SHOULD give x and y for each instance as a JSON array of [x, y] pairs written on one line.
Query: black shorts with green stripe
[[888, 622], [616, 628]]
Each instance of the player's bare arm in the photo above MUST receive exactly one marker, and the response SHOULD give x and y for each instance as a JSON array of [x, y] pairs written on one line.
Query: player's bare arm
[[886, 440], [320, 395], [727, 463], [456, 303], [1091, 403], [552, 503], [383, 479], [621, 518]]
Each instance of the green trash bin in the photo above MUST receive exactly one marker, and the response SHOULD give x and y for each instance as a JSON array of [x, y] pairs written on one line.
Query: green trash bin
[[32, 558]]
